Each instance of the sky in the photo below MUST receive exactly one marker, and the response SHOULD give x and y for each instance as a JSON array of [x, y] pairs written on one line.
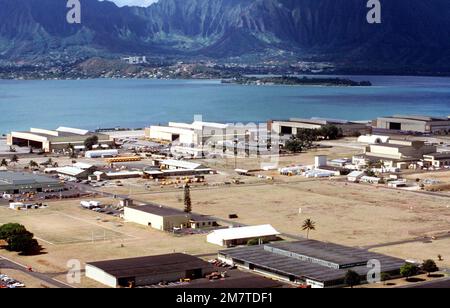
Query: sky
[[133, 2]]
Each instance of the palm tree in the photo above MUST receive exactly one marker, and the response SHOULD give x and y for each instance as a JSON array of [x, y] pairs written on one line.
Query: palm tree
[[4, 163], [308, 225]]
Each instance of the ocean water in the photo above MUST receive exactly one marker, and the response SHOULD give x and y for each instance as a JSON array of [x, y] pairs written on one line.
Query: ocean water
[[105, 103]]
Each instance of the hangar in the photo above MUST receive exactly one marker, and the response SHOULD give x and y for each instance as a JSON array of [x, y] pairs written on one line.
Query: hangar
[[54, 140], [317, 264], [413, 124], [291, 126], [148, 270], [17, 183]]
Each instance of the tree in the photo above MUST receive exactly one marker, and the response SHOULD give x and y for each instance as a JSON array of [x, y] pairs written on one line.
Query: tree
[[352, 279], [19, 239], [90, 142], [330, 132], [408, 270], [308, 225], [430, 266], [307, 136], [7, 230], [4, 163], [294, 145], [23, 243], [33, 164], [71, 150], [187, 199], [14, 159]]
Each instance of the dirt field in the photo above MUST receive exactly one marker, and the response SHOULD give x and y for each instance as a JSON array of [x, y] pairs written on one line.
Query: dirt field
[[350, 214], [65, 231]]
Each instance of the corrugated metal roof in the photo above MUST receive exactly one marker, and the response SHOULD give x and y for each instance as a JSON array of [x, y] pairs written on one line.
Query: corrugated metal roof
[[151, 265], [291, 265], [181, 164]]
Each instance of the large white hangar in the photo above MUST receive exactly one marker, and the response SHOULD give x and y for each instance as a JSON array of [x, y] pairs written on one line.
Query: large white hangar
[[51, 140]]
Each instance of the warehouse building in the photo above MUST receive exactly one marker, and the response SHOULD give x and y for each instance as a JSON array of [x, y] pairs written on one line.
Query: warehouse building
[[291, 126], [76, 171], [146, 271], [166, 219], [314, 263], [412, 124], [196, 133], [17, 183], [55, 140], [199, 138], [240, 236], [437, 160], [395, 153]]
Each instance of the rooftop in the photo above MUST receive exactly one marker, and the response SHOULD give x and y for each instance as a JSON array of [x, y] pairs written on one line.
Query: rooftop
[[442, 155], [181, 164], [245, 232], [419, 118], [151, 265], [61, 132], [311, 259], [20, 178], [157, 209], [320, 121]]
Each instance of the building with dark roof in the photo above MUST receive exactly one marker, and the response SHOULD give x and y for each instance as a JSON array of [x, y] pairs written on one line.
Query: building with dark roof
[[19, 182], [149, 270], [314, 263]]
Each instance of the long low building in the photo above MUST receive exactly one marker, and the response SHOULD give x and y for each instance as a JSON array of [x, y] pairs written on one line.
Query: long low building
[[395, 153], [240, 236], [291, 126], [314, 263], [55, 140], [166, 219], [149, 270], [438, 160], [17, 183], [413, 124]]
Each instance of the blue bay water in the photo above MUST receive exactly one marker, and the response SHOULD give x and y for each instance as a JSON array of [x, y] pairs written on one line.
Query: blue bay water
[[101, 103]]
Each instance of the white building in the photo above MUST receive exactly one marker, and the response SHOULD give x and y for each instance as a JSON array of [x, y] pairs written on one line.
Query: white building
[[373, 139], [101, 153], [355, 176], [241, 235]]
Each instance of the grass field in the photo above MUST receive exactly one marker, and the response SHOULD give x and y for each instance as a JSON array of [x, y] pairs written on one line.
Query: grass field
[[57, 228]]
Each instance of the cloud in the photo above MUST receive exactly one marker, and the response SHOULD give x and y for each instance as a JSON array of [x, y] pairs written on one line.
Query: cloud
[[133, 2]]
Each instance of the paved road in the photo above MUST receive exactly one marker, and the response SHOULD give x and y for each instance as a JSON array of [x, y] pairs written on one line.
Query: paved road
[[436, 284], [6, 263], [414, 240]]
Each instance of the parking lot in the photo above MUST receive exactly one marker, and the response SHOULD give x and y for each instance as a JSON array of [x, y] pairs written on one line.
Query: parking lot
[[7, 282]]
